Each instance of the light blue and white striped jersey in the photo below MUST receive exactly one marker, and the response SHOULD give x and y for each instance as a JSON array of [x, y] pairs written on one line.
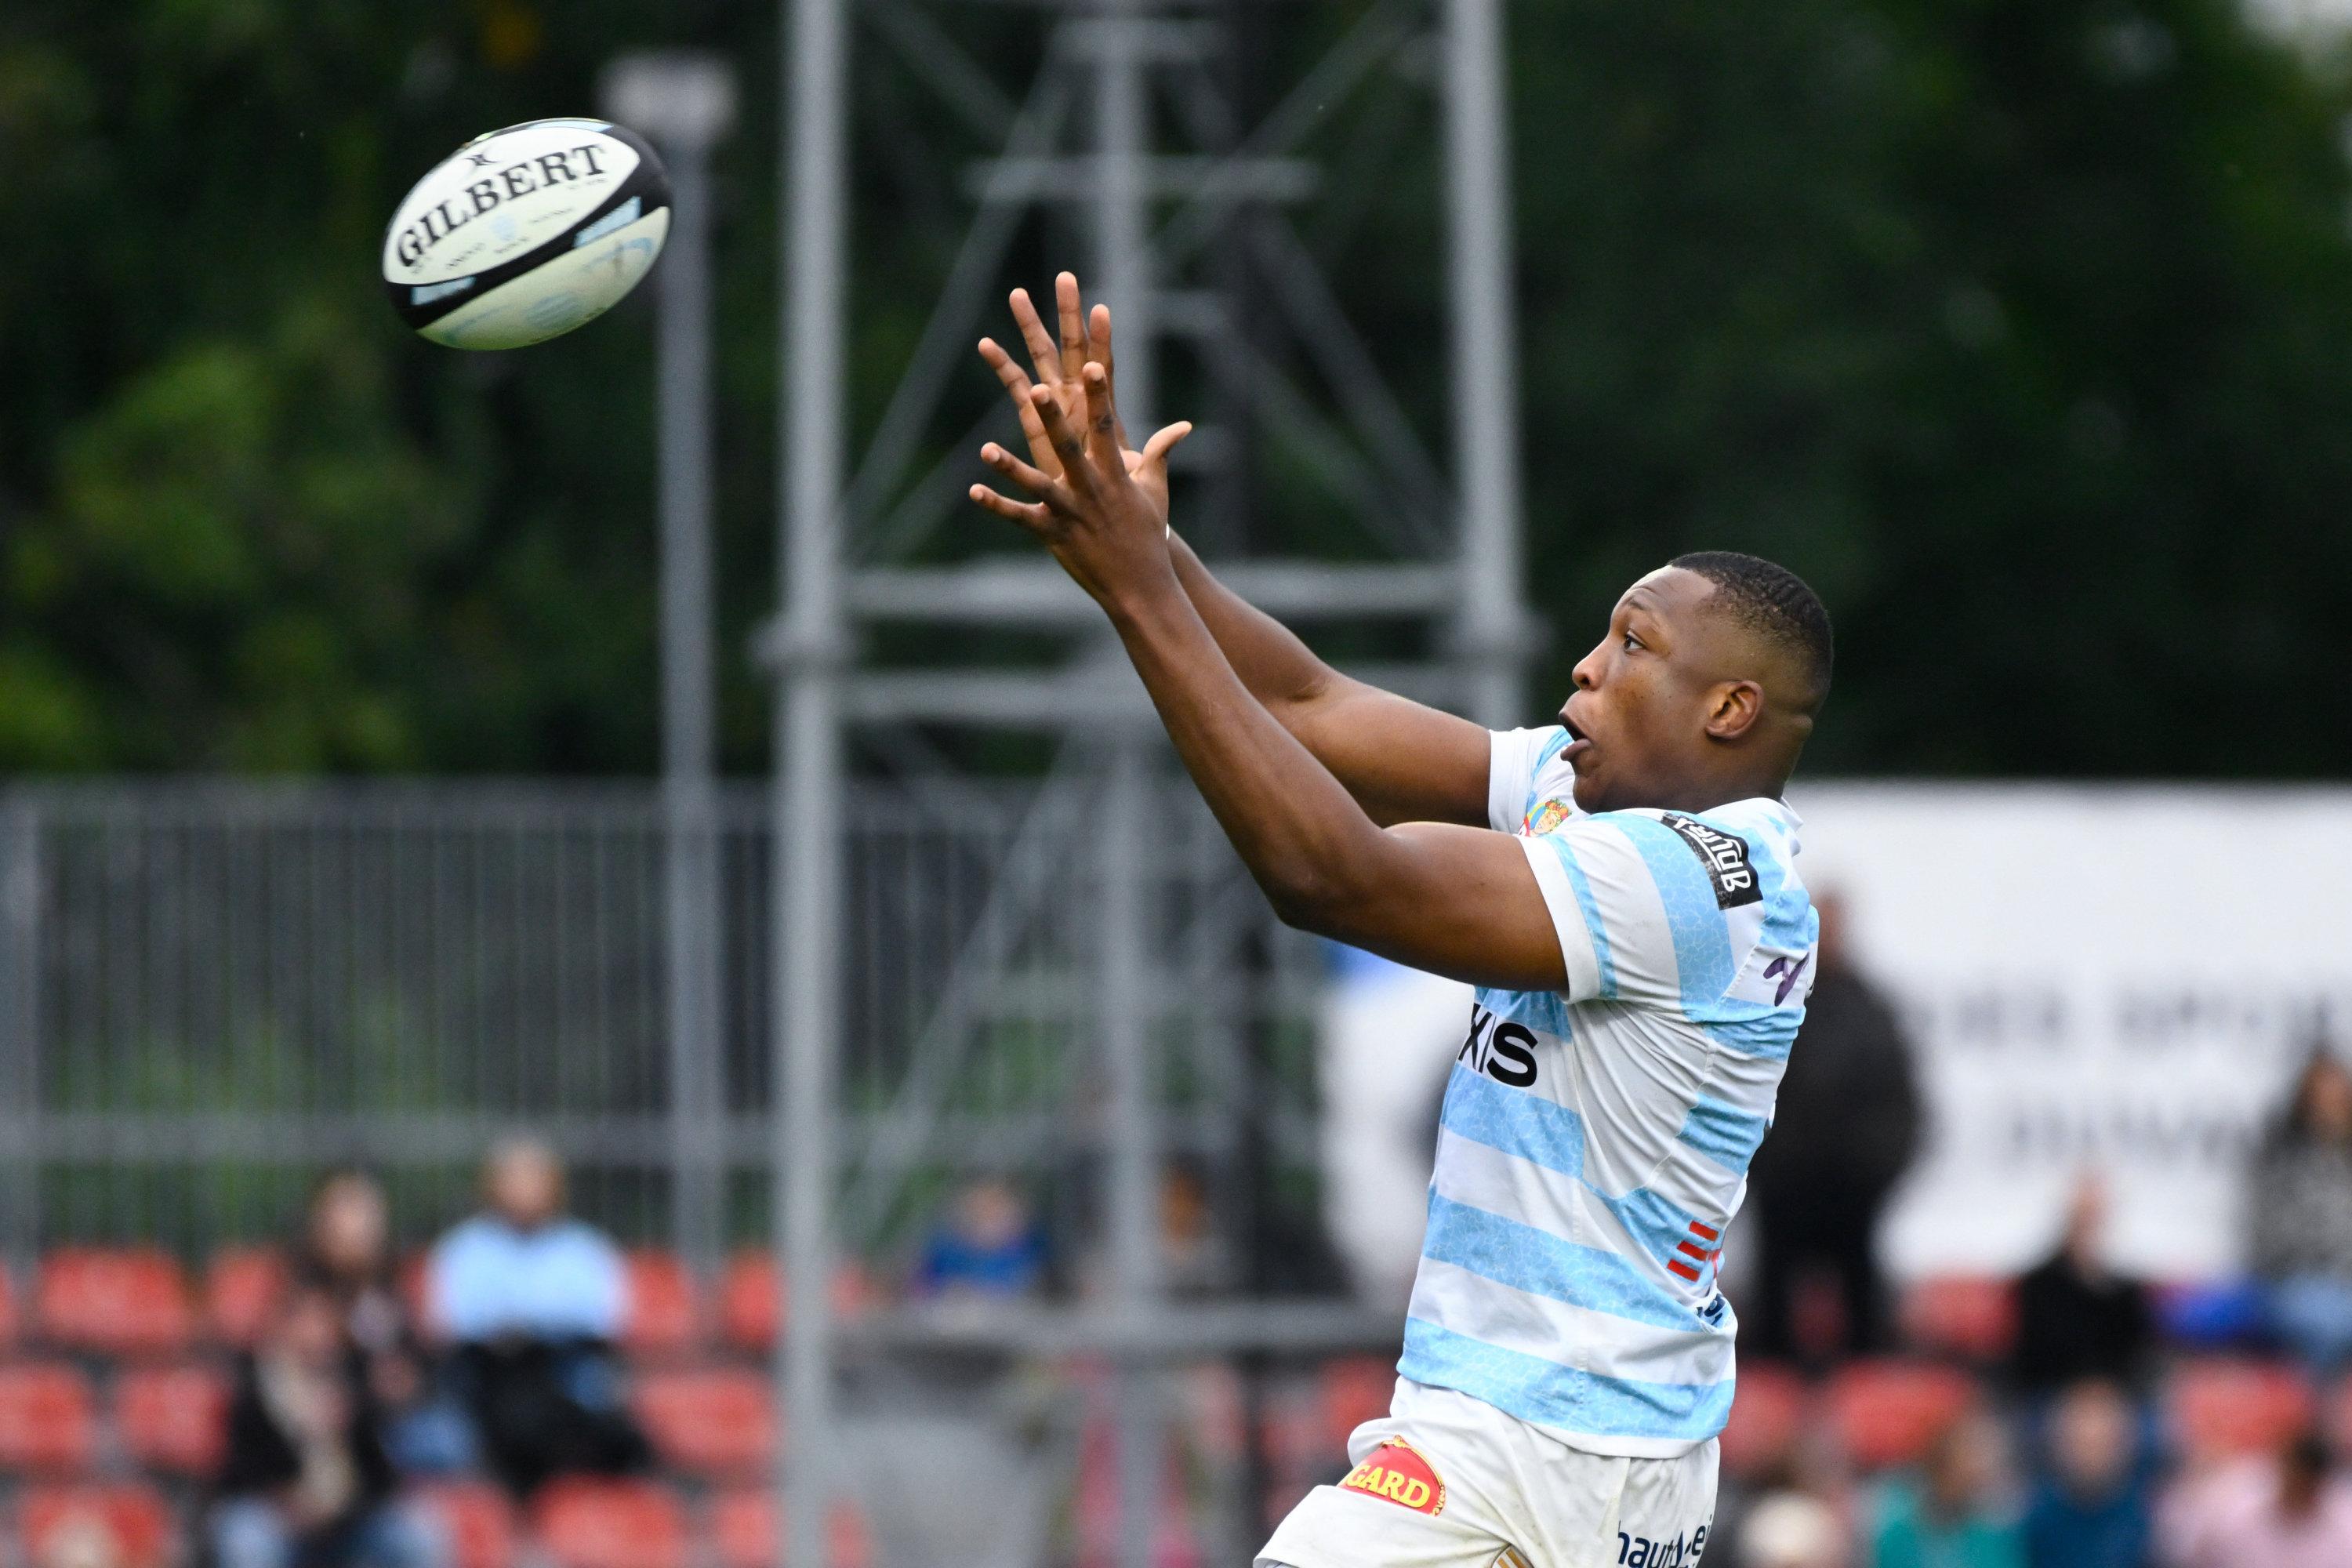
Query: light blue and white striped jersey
[[1594, 1142]]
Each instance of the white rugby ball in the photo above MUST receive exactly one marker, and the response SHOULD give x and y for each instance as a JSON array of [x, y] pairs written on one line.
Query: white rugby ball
[[526, 233]]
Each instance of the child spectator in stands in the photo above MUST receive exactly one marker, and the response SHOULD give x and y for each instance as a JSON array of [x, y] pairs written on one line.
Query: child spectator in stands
[[533, 1300], [1953, 1515], [345, 1250], [2076, 1318], [2301, 1196], [2091, 1511], [305, 1479], [988, 1245], [2287, 1513]]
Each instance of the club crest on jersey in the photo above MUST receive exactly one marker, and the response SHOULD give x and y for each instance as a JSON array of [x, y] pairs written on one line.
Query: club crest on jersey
[[1399, 1473], [1724, 855], [1545, 818]]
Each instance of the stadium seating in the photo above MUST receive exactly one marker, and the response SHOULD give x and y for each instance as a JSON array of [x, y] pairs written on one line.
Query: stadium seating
[[7, 1311], [743, 1532], [715, 1421], [1971, 1316], [1353, 1390], [751, 1304], [665, 1317], [134, 1517], [477, 1519], [240, 1287], [1767, 1413], [2226, 1406], [47, 1425], [585, 1523], [118, 1302], [172, 1419], [1889, 1413]]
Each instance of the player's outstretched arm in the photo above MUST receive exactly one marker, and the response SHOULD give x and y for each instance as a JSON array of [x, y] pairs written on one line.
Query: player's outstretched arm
[[1459, 901], [1401, 760]]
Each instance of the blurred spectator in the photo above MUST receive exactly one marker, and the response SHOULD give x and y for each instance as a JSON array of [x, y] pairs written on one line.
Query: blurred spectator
[[533, 1300], [345, 1250], [1844, 1131], [988, 1245], [305, 1479], [2283, 1513], [2302, 1219], [2093, 1510], [1792, 1529], [1195, 1259], [1952, 1516], [2076, 1318]]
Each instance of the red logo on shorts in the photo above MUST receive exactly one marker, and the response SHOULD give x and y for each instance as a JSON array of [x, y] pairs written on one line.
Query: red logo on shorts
[[1397, 1471]]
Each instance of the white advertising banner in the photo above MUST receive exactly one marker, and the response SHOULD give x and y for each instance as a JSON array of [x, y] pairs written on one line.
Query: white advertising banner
[[2116, 981], [2102, 979]]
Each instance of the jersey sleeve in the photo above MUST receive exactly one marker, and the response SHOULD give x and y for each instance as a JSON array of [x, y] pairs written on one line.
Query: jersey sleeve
[[1511, 774], [1632, 908]]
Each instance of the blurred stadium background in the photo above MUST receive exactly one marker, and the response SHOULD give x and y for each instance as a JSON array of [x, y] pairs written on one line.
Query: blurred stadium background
[[632, 743]]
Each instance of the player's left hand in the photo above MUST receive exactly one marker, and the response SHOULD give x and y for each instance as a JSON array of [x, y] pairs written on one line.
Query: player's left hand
[[1102, 525]]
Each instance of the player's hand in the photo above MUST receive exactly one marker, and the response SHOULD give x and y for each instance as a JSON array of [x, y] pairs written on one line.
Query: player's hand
[[1086, 340], [1095, 516]]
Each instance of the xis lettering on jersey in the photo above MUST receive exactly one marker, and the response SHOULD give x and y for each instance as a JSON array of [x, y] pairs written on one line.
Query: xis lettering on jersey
[[1594, 1142]]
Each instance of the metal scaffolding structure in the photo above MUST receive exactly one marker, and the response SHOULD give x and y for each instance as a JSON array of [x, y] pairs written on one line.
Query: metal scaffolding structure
[[1125, 128]]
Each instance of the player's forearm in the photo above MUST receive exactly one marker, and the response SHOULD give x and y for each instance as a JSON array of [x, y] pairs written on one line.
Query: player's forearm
[[1297, 829], [1267, 657]]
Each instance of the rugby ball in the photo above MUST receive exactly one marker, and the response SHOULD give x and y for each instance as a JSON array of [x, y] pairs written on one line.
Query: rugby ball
[[523, 234]]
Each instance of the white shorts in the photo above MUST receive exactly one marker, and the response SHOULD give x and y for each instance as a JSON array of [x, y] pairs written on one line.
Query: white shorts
[[1448, 1481]]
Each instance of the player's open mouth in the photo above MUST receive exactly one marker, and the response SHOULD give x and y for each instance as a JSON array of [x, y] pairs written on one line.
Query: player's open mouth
[[1579, 744]]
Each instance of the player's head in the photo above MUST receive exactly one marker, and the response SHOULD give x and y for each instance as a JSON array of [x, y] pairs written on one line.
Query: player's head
[[1705, 687]]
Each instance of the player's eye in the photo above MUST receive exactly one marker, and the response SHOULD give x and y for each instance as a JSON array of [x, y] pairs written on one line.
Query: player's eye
[[1632, 642]]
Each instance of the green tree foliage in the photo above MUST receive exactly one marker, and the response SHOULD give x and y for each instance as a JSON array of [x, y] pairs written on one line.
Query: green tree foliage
[[2023, 327]]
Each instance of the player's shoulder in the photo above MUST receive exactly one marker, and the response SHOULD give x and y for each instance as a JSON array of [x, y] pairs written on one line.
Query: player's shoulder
[[1732, 858]]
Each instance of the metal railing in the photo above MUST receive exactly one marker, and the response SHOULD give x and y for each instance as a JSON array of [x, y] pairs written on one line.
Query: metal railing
[[211, 992]]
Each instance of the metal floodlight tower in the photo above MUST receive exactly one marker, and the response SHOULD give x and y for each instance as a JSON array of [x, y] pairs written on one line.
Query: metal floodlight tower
[[1086, 137]]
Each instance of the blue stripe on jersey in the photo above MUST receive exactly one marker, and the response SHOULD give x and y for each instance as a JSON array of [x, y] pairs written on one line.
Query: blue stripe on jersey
[[1542, 1264], [1544, 1010], [1551, 748], [1536, 1390], [1540, 1130], [1702, 937], [1725, 1136], [1591, 909]]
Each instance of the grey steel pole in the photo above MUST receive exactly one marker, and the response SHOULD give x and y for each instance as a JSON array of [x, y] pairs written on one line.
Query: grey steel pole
[[1126, 1002], [808, 805], [20, 1033], [686, 103], [1122, 217], [1494, 632]]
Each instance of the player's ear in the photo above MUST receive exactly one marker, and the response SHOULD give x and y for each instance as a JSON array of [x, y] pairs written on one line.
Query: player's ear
[[1733, 709]]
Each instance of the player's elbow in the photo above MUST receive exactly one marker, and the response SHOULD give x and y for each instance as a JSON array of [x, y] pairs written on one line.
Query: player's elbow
[[1318, 900]]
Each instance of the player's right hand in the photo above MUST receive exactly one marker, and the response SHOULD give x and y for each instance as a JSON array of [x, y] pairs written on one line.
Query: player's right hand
[[1060, 370]]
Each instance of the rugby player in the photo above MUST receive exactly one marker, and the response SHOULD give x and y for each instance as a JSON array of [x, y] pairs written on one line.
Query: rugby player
[[1620, 887]]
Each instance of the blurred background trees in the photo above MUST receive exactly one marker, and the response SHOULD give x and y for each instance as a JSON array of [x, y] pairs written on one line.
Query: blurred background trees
[[2022, 327]]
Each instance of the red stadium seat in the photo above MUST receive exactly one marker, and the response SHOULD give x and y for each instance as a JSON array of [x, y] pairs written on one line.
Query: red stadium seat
[[132, 1518], [7, 1310], [752, 1306], [743, 1532], [241, 1288], [46, 1422], [715, 1421], [126, 1301], [585, 1523], [1891, 1411], [1767, 1413], [664, 1316], [172, 1419], [2222, 1408], [478, 1521], [1351, 1390], [1971, 1316]]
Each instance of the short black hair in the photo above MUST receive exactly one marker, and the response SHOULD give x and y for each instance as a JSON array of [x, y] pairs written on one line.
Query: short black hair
[[1774, 603]]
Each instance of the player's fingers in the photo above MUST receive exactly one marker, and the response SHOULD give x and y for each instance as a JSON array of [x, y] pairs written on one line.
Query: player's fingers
[[1102, 425], [1099, 350], [1164, 440], [1074, 324], [1031, 515], [1016, 381], [1068, 444], [1042, 353], [1014, 468]]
